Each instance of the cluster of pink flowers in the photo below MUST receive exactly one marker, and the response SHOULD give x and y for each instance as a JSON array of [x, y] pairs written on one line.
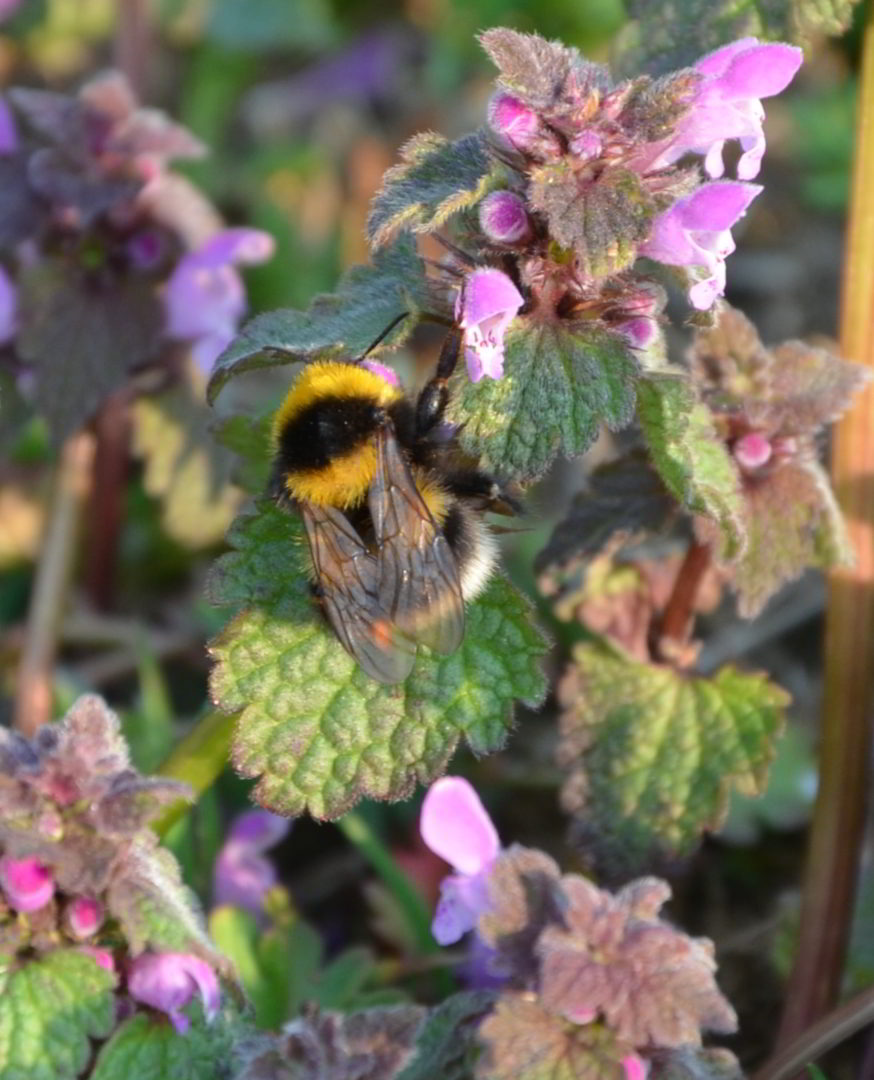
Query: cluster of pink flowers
[[693, 233]]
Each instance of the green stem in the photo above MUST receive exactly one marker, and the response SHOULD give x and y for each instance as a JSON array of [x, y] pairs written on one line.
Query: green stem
[[839, 817], [197, 761], [410, 900], [832, 1030]]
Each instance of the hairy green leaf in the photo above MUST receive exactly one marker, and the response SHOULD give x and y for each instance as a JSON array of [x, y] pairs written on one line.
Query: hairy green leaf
[[530, 67], [184, 466], [148, 1048], [695, 1063], [559, 384], [668, 34], [690, 456], [523, 1041], [652, 754], [444, 1046], [317, 731], [50, 1009], [434, 179], [345, 323], [250, 441], [83, 335], [601, 218]]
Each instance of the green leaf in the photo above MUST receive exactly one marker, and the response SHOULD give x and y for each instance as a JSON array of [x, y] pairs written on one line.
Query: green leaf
[[524, 1042], [236, 933], [50, 1009], [559, 384], [601, 219], [435, 179], [652, 754], [346, 323], [83, 336], [689, 455], [444, 1047], [696, 1063], [148, 1048], [184, 466], [317, 731], [534, 69], [250, 441], [665, 35]]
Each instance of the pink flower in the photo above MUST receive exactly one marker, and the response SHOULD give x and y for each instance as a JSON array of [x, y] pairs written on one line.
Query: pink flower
[[504, 218], [8, 8], [455, 825], [27, 883], [168, 981], [728, 106], [516, 122], [242, 874], [8, 308], [102, 957], [635, 1067], [84, 916], [387, 373], [8, 128], [486, 305], [205, 298], [752, 451], [696, 231]]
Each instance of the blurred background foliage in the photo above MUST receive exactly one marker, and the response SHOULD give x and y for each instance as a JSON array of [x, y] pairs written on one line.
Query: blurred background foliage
[[304, 104]]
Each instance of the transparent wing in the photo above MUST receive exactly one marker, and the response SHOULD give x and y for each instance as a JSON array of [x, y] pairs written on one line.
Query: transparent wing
[[417, 576], [347, 574]]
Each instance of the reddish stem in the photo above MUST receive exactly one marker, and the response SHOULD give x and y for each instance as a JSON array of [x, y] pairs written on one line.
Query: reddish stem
[[106, 516], [676, 620]]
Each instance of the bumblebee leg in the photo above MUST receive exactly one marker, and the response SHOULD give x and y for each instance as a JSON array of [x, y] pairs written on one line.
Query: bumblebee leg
[[434, 397]]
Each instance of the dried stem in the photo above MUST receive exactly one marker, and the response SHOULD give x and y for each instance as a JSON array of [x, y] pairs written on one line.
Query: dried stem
[[106, 517], [676, 619], [33, 701], [839, 816]]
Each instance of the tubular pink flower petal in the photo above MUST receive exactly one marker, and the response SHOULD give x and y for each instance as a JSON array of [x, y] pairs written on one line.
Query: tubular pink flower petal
[[463, 898], [635, 1067], [27, 884], [168, 981], [242, 247], [760, 70], [714, 63], [504, 218], [486, 305], [84, 916], [456, 826]]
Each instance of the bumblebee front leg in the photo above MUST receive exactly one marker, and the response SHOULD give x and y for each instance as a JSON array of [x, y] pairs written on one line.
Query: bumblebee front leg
[[434, 397]]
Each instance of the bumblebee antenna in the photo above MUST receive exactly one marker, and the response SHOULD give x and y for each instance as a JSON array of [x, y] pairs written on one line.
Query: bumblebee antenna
[[400, 318]]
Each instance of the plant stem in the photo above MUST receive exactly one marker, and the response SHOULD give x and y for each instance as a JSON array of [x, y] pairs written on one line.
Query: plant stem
[[131, 42], [676, 619], [112, 428], [33, 700], [832, 1030], [839, 815], [197, 760]]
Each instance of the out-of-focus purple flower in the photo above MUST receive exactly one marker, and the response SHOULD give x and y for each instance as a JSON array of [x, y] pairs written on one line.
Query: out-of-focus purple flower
[[640, 331], [486, 305], [752, 451], [146, 248], [635, 1068], [455, 825], [27, 884], [8, 8], [8, 128], [242, 874], [512, 118], [696, 231], [168, 981], [728, 103], [8, 308], [504, 218], [84, 916], [387, 373], [205, 298], [103, 957]]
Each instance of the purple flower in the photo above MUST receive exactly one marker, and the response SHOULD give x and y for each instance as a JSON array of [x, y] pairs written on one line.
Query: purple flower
[[728, 106], [242, 874], [695, 231], [486, 305], [455, 825], [27, 883], [384, 372], [205, 298], [8, 8], [504, 218], [635, 1067], [8, 308], [8, 129], [515, 121], [84, 916], [102, 957], [168, 981]]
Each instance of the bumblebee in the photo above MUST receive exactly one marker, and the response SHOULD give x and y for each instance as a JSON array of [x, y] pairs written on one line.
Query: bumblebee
[[393, 512]]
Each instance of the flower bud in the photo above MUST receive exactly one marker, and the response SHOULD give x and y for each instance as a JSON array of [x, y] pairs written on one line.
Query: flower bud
[[27, 883], [587, 145], [517, 122], [504, 219], [101, 957], [640, 331], [752, 451], [84, 916], [168, 981]]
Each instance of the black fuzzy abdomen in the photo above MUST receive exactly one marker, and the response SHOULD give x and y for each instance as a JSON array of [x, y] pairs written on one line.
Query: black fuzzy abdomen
[[326, 430]]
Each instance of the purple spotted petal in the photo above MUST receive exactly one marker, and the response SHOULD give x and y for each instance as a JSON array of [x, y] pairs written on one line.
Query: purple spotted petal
[[168, 981], [455, 825], [27, 884], [486, 305], [463, 898]]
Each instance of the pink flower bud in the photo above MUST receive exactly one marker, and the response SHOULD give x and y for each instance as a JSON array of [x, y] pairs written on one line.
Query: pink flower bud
[[84, 916], [640, 331], [102, 957], [752, 451], [517, 122], [27, 883], [146, 248], [168, 981], [504, 219], [635, 1067], [587, 145]]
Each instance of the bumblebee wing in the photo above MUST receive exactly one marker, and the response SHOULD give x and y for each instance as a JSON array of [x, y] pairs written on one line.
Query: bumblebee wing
[[347, 574], [418, 578]]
